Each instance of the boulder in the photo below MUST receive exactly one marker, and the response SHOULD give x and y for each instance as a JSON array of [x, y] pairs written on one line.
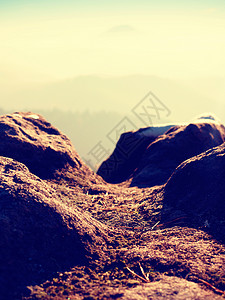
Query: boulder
[[148, 156], [47, 152], [59, 250], [196, 190], [172, 148], [128, 152], [30, 139], [39, 235]]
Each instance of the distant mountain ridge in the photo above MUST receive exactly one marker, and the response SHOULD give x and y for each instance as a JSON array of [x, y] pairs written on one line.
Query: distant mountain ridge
[[119, 94]]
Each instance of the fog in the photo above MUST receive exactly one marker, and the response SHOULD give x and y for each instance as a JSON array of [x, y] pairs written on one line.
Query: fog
[[87, 67]]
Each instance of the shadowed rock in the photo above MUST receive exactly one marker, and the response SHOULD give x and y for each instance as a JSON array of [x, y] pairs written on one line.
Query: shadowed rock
[[150, 155], [196, 189], [128, 152], [168, 151], [39, 235], [125, 157]]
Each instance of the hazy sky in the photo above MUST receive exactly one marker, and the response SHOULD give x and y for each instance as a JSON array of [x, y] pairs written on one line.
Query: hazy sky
[[101, 55], [50, 40]]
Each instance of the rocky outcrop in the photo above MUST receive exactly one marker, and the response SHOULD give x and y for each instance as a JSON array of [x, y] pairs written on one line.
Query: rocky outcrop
[[150, 155], [40, 235], [196, 190], [128, 152], [178, 144], [30, 139], [125, 158], [47, 152], [52, 210]]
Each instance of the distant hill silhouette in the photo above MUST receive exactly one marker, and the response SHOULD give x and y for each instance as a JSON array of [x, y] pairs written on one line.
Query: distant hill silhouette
[[119, 94]]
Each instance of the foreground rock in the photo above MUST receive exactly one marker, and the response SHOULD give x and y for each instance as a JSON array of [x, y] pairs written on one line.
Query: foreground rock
[[39, 235], [61, 251], [180, 262], [196, 191], [185, 252], [169, 288]]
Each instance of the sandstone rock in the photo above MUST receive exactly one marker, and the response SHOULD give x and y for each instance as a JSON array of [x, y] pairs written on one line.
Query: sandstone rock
[[48, 153], [125, 157], [128, 153], [169, 150], [172, 288], [150, 155], [179, 252], [43, 232], [196, 189], [39, 235], [30, 139]]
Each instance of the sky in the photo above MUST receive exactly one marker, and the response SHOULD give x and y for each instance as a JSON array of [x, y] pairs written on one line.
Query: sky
[[99, 55], [51, 40]]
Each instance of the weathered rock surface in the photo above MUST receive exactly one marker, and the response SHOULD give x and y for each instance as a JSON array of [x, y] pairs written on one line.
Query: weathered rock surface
[[125, 157], [149, 156], [47, 152], [30, 139], [178, 144], [182, 263], [39, 235], [43, 231], [185, 252], [196, 190], [168, 288], [128, 153]]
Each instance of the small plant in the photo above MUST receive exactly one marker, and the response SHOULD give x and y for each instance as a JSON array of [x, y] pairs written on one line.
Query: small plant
[[145, 277]]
